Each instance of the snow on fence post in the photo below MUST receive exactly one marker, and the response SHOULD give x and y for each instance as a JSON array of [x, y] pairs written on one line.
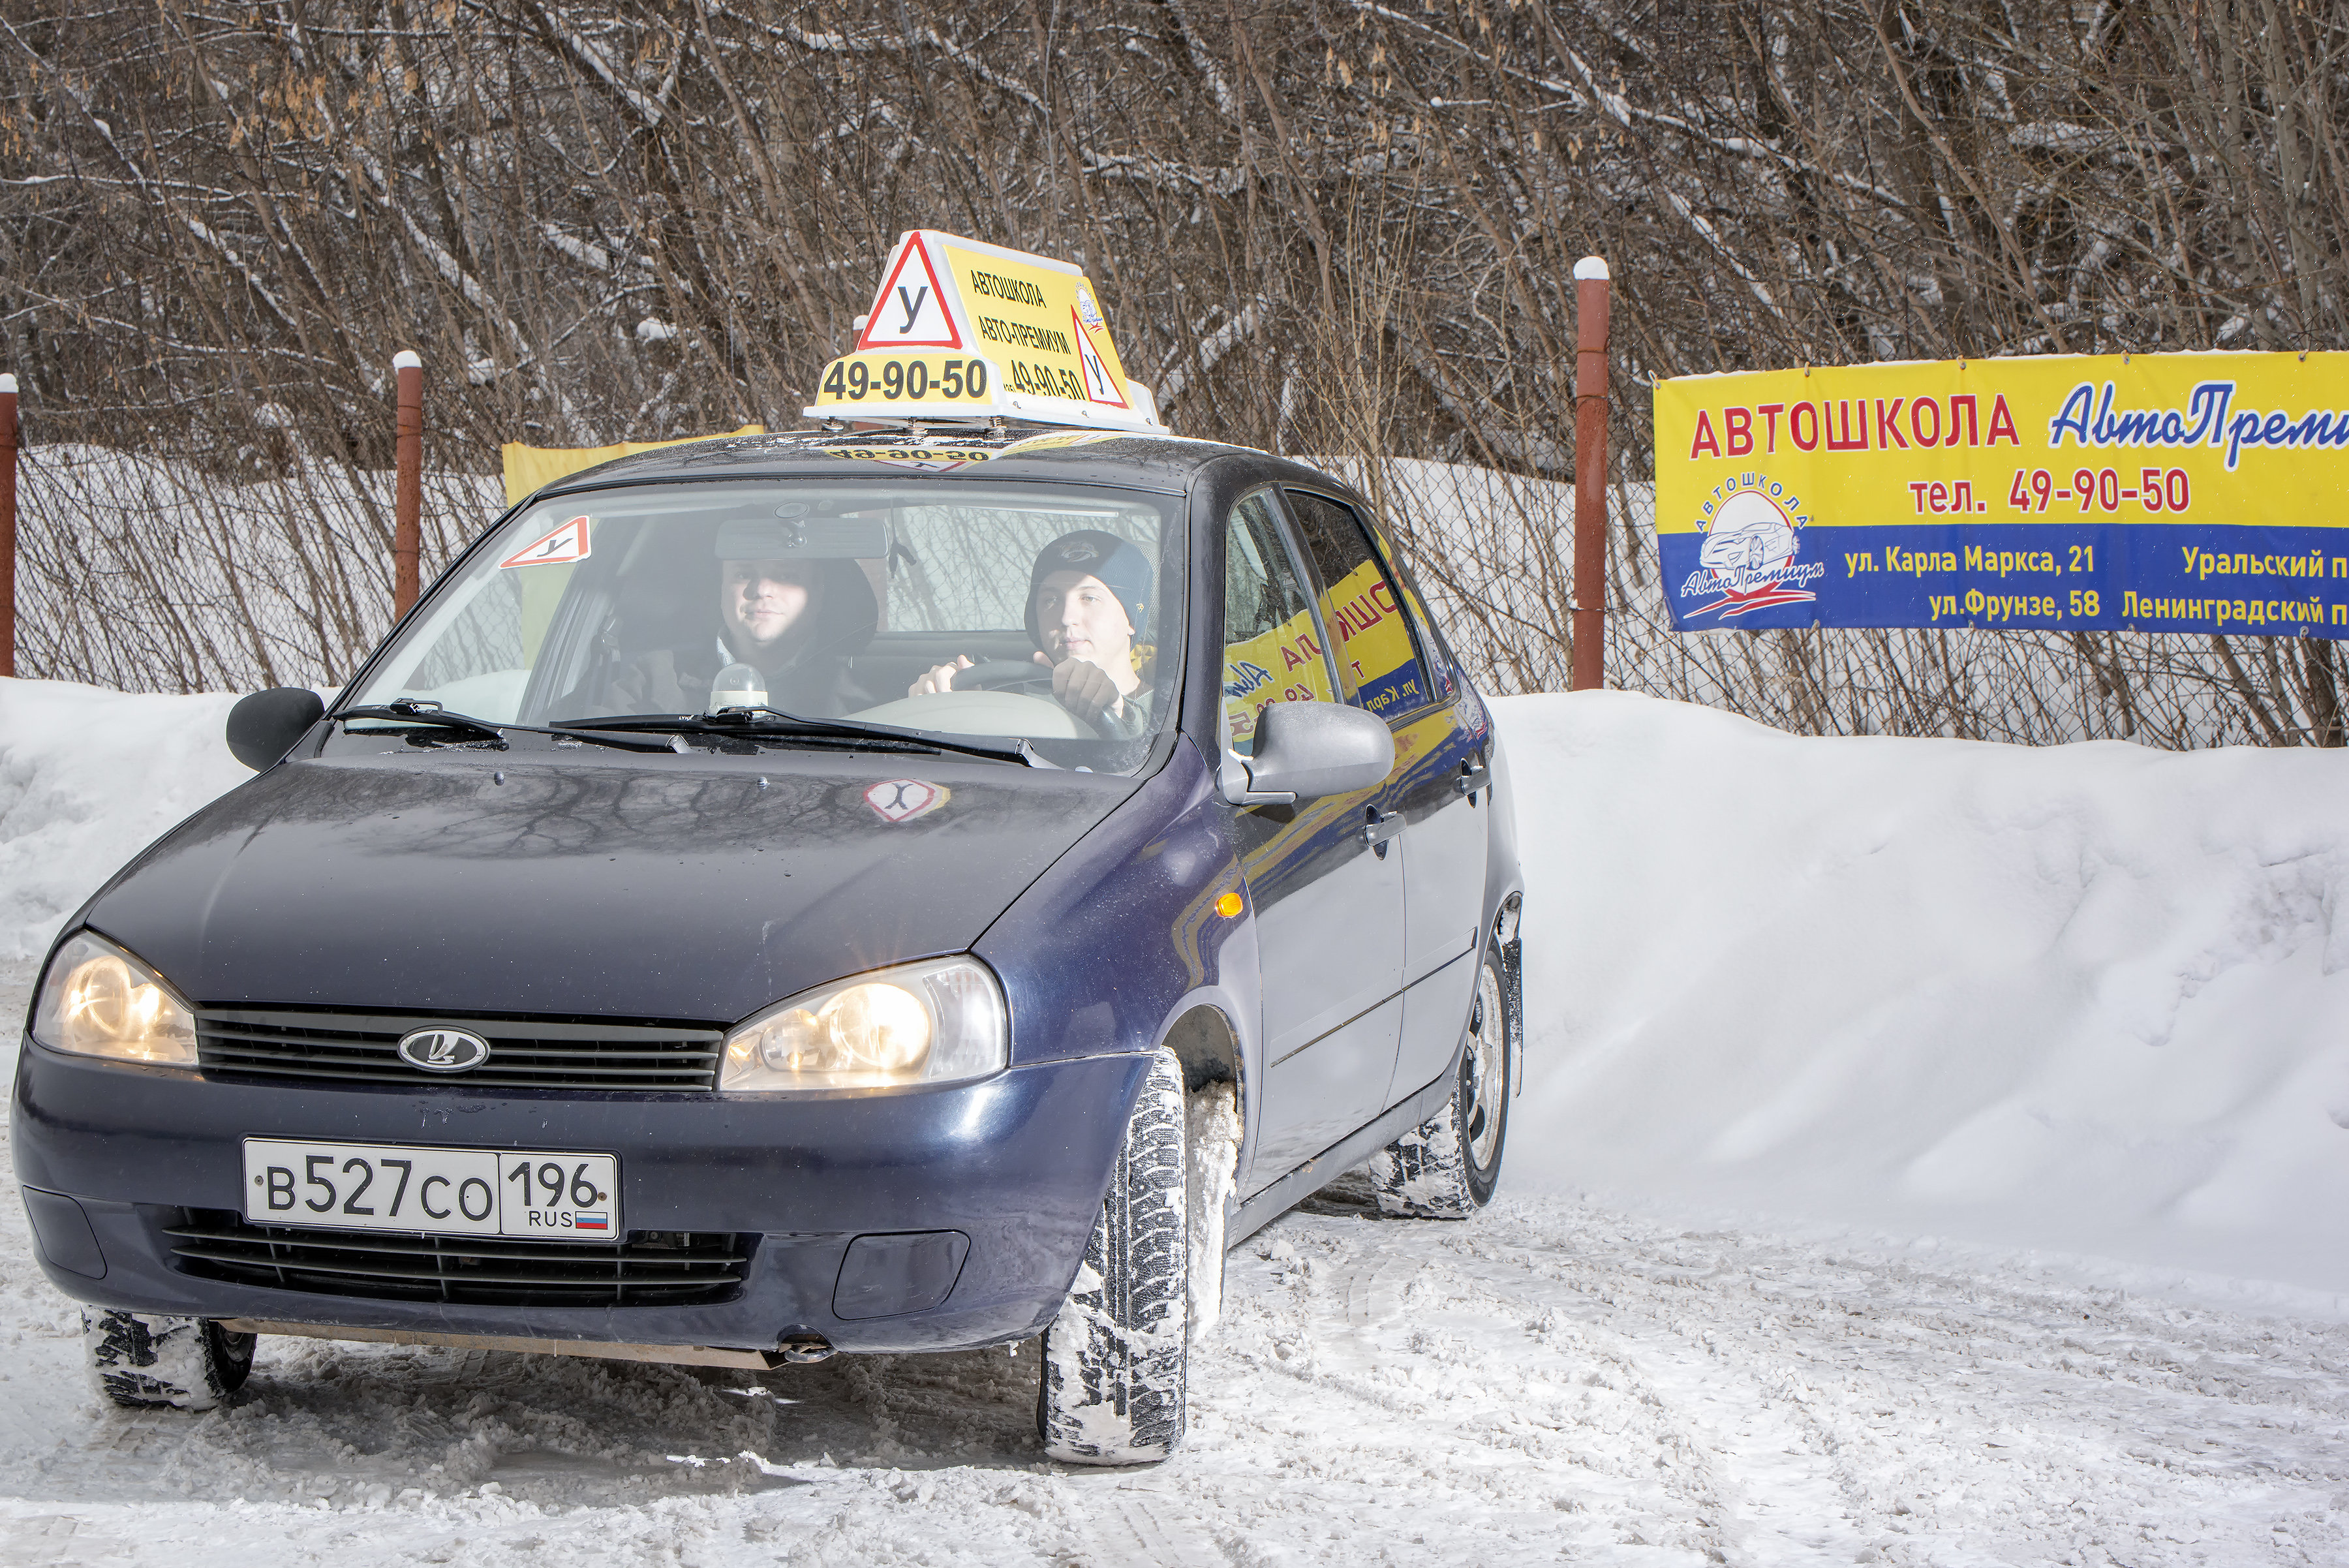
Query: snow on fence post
[[1590, 603], [7, 524], [407, 496]]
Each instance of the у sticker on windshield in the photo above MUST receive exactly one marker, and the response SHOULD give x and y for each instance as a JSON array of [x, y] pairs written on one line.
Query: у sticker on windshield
[[902, 800], [561, 547]]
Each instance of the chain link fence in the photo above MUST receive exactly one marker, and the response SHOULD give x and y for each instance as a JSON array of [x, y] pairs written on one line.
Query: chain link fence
[[145, 572]]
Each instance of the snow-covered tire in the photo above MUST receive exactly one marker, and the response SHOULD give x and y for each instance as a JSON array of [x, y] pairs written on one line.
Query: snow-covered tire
[[1114, 1359], [1446, 1167], [142, 1362]]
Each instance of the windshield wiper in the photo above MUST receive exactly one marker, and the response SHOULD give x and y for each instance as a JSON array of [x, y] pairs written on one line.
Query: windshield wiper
[[775, 722], [417, 710]]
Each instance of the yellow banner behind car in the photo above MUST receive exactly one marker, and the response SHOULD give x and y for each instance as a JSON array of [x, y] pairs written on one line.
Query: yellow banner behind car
[[529, 467], [2150, 492], [961, 329]]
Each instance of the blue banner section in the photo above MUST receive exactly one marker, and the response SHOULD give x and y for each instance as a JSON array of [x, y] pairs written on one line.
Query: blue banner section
[[2087, 576]]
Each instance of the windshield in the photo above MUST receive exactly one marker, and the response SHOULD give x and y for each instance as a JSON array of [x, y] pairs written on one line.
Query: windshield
[[1032, 611]]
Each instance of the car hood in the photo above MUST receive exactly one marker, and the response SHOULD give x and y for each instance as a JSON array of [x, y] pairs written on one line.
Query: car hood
[[695, 888]]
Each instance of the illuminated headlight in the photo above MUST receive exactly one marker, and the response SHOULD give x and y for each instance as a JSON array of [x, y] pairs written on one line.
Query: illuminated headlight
[[930, 1023], [98, 1000]]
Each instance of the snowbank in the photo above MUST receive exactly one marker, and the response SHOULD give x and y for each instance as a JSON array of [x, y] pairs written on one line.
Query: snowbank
[[2085, 998], [87, 779]]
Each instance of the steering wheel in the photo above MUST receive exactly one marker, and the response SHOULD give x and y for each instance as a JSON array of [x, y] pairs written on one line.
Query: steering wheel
[[1005, 675]]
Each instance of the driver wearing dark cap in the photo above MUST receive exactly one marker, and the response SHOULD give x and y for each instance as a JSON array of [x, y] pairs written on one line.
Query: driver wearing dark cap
[[1087, 599], [796, 620]]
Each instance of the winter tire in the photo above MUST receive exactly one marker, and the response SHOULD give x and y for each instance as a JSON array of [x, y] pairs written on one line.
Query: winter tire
[[1446, 1167], [143, 1361], [1114, 1359]]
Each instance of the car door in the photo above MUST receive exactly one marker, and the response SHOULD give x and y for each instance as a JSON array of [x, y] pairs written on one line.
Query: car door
[[1434, 800], [1328, 903]]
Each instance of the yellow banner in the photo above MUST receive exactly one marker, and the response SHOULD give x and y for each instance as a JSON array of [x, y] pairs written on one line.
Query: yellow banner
[[2154, 491], [529, 467]]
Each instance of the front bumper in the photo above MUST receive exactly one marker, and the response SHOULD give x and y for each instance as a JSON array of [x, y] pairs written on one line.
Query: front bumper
[[1016, 1164]]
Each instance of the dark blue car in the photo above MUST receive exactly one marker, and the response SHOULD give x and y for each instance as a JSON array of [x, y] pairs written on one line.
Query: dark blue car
[[787, 895]]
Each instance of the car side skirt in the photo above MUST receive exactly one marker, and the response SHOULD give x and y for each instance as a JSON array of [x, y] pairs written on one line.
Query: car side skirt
[[1319, 1172]]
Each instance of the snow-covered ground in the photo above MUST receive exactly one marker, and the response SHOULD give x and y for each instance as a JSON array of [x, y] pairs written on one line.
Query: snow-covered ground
[[1932, 1155]]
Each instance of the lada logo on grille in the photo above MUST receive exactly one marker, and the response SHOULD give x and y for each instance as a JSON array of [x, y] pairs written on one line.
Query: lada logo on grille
[[444, 1050]]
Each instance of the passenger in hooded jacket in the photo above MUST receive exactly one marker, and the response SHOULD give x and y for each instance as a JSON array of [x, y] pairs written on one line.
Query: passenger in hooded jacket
[[798, 621]]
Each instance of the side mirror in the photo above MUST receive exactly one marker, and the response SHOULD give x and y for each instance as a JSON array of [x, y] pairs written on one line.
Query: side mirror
[[262, 728], [1308, 748]]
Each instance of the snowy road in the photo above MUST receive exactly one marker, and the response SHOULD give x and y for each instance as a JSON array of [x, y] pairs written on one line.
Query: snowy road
[[1546, 1382]]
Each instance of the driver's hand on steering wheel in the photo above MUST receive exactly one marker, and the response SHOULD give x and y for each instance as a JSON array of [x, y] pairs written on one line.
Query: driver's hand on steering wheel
[[940, 677], [1084, 689]]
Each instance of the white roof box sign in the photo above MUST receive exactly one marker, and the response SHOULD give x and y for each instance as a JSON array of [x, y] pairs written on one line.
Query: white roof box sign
[[964, 330]]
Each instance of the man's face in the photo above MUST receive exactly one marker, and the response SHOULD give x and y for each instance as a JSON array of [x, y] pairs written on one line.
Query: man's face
[[761, 601], [1080, 619]]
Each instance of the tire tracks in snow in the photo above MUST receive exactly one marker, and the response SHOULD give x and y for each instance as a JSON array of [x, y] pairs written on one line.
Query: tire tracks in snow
[[1859, 1410], [1752, 1486], [1498, 1424]]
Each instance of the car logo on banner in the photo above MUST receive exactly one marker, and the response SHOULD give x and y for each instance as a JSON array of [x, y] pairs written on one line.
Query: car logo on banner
[[444, 1050], [1749, 558], [902, 800]]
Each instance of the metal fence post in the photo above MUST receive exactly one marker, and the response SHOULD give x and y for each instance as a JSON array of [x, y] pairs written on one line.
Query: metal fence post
[[7, 524], [1590, 624], [407, 493]]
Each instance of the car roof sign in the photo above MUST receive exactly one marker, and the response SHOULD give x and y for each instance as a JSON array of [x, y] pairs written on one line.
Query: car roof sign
[[963, 331]]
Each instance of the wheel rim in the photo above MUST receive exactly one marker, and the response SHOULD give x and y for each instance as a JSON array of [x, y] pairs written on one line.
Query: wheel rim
[[1487, 1065]]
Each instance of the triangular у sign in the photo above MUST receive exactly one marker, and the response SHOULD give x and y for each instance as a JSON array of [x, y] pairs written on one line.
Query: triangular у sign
[[1100, 385], [910, 311]]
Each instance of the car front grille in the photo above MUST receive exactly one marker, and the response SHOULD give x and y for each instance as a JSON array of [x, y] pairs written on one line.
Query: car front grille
[[650, 1268], [525, 1052]]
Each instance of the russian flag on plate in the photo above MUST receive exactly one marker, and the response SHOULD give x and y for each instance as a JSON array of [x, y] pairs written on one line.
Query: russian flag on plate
[[590, 1223]]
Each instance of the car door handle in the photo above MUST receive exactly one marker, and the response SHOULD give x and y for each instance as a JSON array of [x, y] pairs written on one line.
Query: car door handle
[[1380, 826], [1472, 777]]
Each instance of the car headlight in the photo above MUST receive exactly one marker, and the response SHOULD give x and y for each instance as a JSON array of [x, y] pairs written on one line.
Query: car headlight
[[98, 1000], [931, 1022]]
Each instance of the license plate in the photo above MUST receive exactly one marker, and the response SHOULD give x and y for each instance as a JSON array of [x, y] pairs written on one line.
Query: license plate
[[438, 1192]]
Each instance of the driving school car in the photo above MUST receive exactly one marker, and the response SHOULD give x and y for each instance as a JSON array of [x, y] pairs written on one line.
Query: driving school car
[[850, 892]]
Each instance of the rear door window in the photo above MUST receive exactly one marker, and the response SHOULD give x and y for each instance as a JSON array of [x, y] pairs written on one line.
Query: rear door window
[[1272, 646], [1379, 656]]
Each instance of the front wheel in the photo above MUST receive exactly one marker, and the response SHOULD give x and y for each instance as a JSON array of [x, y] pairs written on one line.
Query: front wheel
[[1446, 1167], [1114, 1360], [144, 1361]]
